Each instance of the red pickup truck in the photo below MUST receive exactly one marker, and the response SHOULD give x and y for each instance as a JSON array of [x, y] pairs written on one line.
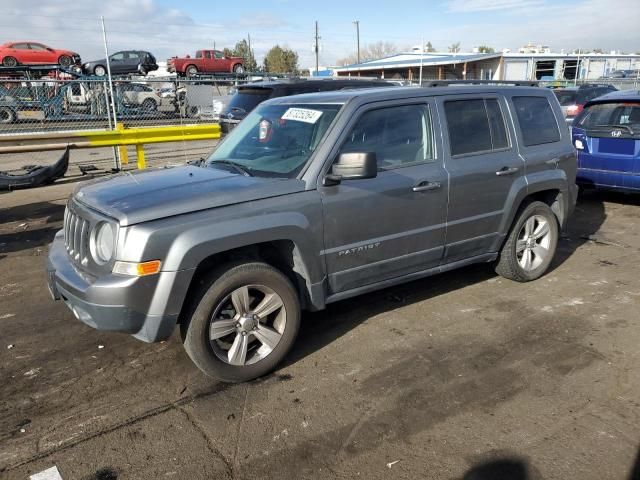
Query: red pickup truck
[[205, 61]]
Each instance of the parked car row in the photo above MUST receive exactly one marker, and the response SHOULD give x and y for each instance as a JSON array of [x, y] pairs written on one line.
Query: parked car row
[[14, 54], [573, 99]]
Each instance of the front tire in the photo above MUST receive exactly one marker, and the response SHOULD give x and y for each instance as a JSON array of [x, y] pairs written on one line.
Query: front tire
[[243, 321], [65, 61], [531, 244], [149, 104], [191, 71], [99, 71]]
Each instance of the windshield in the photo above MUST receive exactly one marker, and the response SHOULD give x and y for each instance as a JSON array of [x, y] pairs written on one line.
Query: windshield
[[246, 99], [276, 140], [565, 97], [612, 115]]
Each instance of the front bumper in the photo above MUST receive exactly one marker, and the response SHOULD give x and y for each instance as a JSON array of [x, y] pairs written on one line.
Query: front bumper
[[145, 307]]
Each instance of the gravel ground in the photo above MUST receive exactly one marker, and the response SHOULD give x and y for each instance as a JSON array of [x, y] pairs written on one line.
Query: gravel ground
[[463, 375]]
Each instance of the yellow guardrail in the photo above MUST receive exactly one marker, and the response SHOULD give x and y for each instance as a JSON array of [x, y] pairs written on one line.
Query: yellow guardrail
[[121, 137]]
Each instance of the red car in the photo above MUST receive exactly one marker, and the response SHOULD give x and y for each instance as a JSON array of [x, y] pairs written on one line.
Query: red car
[[13, 54], [205, 61]]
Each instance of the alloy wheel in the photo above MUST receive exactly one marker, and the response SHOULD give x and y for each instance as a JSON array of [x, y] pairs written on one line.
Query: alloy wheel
[[247, 325], [534, 242]]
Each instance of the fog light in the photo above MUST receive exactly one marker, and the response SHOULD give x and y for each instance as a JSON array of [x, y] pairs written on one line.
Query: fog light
[[137, 269], [578, 144]]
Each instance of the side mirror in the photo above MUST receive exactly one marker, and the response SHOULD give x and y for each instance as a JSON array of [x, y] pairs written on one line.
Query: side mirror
[[353, 166]]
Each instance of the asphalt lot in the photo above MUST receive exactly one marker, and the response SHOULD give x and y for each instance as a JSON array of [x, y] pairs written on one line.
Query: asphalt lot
[[464, 375]]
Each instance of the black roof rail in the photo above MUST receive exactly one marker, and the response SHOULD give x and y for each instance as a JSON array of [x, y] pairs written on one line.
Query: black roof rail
[[446, 83]]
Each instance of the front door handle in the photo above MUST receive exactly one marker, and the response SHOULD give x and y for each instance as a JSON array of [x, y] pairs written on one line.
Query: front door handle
[[553, 161], [426, 186], [507, 171]]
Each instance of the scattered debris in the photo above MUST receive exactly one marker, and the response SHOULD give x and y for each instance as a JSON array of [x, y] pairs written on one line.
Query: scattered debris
[[391, 464], [32, 373], [35, 175], [48, 474], [10, 346], [100, 346], [84, 169], [22, 430]]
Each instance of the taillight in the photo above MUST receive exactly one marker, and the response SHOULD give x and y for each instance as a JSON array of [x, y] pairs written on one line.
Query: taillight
[[573, 110]]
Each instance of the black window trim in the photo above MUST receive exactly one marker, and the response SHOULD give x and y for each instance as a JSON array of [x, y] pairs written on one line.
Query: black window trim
[[478, 97], [516, 120]]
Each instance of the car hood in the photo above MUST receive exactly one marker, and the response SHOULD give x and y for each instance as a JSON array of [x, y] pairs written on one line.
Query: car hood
[[148, 195]]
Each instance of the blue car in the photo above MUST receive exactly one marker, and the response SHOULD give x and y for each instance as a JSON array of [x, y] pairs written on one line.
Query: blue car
[[606, 135]]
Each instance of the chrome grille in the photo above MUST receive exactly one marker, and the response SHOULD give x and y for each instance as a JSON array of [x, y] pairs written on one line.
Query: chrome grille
[[76, 236]]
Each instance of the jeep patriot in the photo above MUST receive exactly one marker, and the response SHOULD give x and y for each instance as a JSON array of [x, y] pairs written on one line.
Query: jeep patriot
[[313, 199]]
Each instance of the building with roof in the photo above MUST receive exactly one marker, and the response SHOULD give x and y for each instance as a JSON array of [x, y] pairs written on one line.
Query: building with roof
[[543, 65]]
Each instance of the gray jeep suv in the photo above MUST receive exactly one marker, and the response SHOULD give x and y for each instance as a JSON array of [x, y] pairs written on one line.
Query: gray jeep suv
[[310, 200]]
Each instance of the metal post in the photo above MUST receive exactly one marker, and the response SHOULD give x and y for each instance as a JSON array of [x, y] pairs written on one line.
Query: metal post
[[316, 48], [357, 24], [421, 57], [575, 78], [113, 103]]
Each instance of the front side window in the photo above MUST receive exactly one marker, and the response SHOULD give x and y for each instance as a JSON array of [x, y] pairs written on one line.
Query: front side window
[[475, 125], [275, 140], [117, 56], [398, 135], [537, 121], [37, 46]]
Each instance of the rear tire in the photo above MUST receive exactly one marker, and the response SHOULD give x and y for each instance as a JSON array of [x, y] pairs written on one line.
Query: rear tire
[[238, 69], [7, 115], [242, 322], [9, 62], [531, 244]]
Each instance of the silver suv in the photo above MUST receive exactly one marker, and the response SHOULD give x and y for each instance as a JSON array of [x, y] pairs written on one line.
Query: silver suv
[[313, 199]]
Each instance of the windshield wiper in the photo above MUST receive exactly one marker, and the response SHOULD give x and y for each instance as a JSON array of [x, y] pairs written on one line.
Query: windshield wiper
[[236, 166], [626, 127]]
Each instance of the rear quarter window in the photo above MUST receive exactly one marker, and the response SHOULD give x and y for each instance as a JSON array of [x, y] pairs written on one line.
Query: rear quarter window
[[538, 123]]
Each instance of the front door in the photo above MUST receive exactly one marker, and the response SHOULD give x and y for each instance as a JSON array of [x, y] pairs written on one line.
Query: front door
[[392, 225], [483, 164]]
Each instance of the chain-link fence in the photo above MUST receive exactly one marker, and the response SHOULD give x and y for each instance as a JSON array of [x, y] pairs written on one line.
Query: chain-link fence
[[29, 106], [83, 104]]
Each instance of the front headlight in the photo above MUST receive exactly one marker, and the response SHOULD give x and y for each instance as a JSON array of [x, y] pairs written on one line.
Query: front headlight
[[102, 243]]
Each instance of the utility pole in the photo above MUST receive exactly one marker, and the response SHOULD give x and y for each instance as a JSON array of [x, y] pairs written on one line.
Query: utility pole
[[357, 24], [316, 48]]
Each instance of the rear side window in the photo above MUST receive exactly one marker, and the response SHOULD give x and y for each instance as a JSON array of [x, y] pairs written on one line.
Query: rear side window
[[566, 97], [475, 125], [537, 122]]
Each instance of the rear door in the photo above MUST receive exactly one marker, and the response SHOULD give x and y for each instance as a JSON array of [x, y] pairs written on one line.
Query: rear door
[[483, 164], [23, 53], [392, 225], [131, 62], [40, 54], [116, 63], [609, 135]]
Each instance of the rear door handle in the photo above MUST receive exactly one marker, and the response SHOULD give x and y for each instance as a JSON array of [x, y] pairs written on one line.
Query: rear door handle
[[507, 171], [426, 186]]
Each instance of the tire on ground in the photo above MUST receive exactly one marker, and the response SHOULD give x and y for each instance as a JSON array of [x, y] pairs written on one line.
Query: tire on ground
[[508, 264], [212, 290]]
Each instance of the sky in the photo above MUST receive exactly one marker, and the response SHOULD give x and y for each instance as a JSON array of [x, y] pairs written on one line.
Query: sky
[[168, 28]]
